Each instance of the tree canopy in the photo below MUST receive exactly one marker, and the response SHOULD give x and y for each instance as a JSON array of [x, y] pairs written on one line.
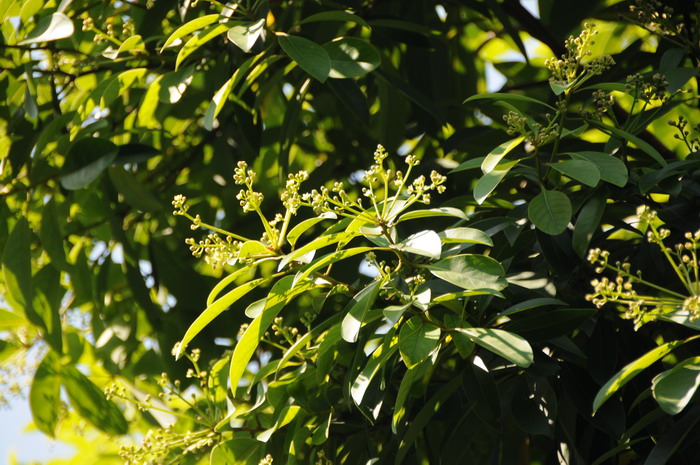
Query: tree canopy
[[344, 232]]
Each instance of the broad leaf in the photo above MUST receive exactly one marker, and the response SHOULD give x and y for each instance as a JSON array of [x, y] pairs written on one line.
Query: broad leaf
[[508, 345], [85, 161], [433, 212], [310, 56], [49, 28], [45, 394], [351, 57], [550, 211], [465, 235], [673, 389], [582, 171], [296, 232], [471, 272], [17, 265], [238, 451], [91, 403], [417, 339], [426, 243], [611, 169], [244, 35]]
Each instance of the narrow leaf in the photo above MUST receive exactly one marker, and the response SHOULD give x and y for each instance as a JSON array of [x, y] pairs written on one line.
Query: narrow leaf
[[633, 369], [497, 154], [488, 182], [356, 310], [17, 264], [45, 394], [190, 27]]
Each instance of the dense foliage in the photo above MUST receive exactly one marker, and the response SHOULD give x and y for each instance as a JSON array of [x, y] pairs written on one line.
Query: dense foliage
[[394, 212]]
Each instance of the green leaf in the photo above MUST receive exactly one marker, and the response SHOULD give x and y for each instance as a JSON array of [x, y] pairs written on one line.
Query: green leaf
[[471, 272], [215, 309], [135, 193], [174, 84], [344, 16], [549, 324], [559, 87], [402, 395], [295, 233], [673, 389], [221, 96], [611, 169], [496, 155], [426, 243], [321, 433], [507, 345], [200, 39], [376, 361], [190, 27], [282, 291], [244, 35], [53, 27], [582, 171], [465, 235], [588, 222], [351, 57], [248, 272], [51, 235], [417, 339], [17, 264], [45, 394], [433, 212], [287, 414], [310, 56], [507, 98], [489, 181], [238, 451], [470, 164], [85, 161], [9, 320], [550, 211], [626, 136], [327, 260], [463, 344], [90, 402], [633, 369], [426, 413], [357, 309], [316, 244]]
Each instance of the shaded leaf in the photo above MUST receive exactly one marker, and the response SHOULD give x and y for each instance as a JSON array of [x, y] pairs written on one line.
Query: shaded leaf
[[85, 161], [90, 402], [550, 211], [674, 388], [190, 27], [45, 394], [310, 56], [17, 264], [582, 171], [611, 169]]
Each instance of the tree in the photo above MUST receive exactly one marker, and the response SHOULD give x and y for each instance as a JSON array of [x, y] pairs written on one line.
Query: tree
[[437, 315]]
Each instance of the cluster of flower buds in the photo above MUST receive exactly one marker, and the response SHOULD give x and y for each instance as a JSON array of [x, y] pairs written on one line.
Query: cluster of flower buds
[[217, 252], [655, 89]]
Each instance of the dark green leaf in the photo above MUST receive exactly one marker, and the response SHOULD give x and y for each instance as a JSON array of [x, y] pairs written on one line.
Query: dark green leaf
[[310, 56], [135, 193], [17, 265], [238, 451], [85, 161], [587, 223], [45, 394], [550, 211], [611, 169], [674, 388], [90, 402], [343, 16], [580, 170]]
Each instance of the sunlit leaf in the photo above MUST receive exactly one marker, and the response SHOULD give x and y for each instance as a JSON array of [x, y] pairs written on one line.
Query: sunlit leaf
[[49, 28], [310, 56], [508, 345]]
